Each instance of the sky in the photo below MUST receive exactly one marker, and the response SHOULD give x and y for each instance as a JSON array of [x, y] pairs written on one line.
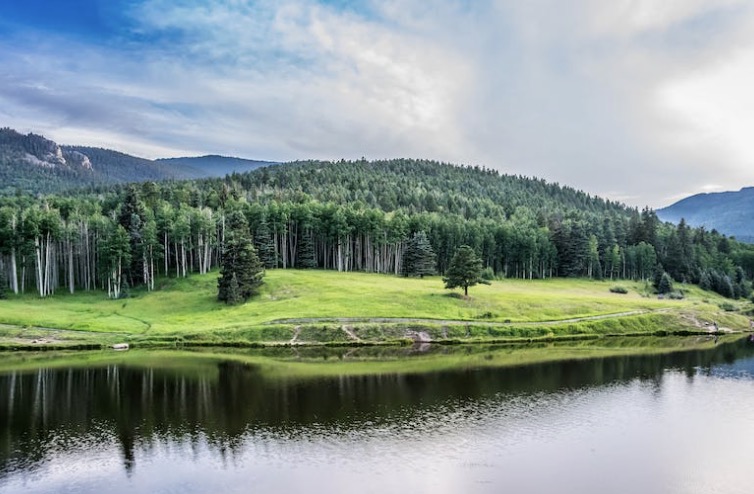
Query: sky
[[639, 101]]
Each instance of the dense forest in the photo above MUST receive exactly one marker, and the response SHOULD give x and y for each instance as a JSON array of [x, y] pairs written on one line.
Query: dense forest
[[351, 216]]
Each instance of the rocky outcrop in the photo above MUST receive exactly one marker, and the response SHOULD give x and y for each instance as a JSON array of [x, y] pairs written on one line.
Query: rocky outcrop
[[39, 151], [76, 159]]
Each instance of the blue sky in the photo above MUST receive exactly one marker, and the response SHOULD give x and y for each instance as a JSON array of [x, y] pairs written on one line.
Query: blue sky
[[637, 100]]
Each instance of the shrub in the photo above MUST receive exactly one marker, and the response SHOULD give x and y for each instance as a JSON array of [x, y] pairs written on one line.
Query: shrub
[[618, 289], [488, 274], [665, 284], [727, 307], [676, 295]]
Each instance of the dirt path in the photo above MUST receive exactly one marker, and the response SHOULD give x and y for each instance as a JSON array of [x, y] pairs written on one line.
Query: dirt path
[[296, 333], [348, 330], [451, 322], [13, 327]]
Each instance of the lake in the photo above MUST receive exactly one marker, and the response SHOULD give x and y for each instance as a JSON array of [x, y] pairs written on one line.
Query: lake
[[569, 418]]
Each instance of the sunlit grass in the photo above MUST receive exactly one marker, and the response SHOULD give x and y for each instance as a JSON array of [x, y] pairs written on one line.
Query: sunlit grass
[[189, 305]]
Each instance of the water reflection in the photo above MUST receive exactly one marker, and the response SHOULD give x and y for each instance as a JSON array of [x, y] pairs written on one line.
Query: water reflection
[[218, 405]]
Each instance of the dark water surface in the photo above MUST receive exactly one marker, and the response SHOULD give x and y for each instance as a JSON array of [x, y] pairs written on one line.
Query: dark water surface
[[678, 423]]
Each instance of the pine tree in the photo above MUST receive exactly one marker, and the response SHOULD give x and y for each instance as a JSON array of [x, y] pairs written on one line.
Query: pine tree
[[665, 285], [306, 258], [264, 245], [130, 217], [240, 262], [465, 270], [233, 296], [418, 258]]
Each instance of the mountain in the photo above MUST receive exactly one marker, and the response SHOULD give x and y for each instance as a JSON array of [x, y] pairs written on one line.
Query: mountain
[[214, 165], [33, 163], [727, 212]]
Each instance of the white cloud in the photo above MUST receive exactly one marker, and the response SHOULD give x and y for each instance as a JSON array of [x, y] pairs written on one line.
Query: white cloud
[[640, 98], [631, 17], [714, 107]]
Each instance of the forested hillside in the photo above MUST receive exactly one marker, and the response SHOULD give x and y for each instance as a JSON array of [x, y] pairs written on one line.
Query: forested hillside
[[727, 212], [352, 216], [33, 164]]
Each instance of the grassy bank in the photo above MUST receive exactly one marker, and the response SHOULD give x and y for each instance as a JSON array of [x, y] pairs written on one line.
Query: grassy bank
[[325, 307]]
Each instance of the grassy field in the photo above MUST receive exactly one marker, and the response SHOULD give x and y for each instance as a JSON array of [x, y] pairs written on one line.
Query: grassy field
[[187, 309]]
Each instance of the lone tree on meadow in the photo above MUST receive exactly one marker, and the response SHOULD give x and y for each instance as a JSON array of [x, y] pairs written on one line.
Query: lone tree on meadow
[[465, 270], [241, 272], [419, 258]]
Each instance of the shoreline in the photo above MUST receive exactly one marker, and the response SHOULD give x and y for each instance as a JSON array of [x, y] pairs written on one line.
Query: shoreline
[[89, 340]]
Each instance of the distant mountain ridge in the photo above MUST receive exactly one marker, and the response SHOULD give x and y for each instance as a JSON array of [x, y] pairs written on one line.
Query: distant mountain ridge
[[213, 165], [33, 163], [731, 213]]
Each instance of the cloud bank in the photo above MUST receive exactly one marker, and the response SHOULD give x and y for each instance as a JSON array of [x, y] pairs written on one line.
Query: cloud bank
[[637, 100]]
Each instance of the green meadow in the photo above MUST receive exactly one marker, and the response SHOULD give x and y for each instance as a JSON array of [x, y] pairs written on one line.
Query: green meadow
[[312, 306]]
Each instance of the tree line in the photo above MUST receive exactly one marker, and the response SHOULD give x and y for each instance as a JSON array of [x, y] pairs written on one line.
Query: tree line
[[351, 216]]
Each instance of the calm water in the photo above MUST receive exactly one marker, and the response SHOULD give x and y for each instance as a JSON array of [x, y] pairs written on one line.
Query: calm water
[[680, 423]]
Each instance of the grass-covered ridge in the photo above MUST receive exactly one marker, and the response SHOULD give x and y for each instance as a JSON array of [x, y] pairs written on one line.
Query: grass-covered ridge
[[312, 306]]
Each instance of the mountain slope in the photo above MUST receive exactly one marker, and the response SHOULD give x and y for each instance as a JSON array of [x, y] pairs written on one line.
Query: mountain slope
[[727, 212], [33, 163]]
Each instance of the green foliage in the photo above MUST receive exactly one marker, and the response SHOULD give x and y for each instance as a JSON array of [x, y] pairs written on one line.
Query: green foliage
[[465, 270], [125, 290], [728, 307], [419, 259], [241, 271], [488, 274], [233, 294], [619, 289], [306, 255], [264, 245], [665, 284], [358, 216]]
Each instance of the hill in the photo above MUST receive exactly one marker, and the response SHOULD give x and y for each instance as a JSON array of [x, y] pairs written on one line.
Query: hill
[[727, 212], [214, 165], [33, 163], [354, 216]]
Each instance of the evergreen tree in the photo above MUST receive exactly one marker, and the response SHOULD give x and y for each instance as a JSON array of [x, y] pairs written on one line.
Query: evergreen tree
[[465, 270], [233, 295], [130, 217], [239, 262], [725, 286], [705, 282], [306, 258], [264, 245], [665, 285], [419, 258]]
